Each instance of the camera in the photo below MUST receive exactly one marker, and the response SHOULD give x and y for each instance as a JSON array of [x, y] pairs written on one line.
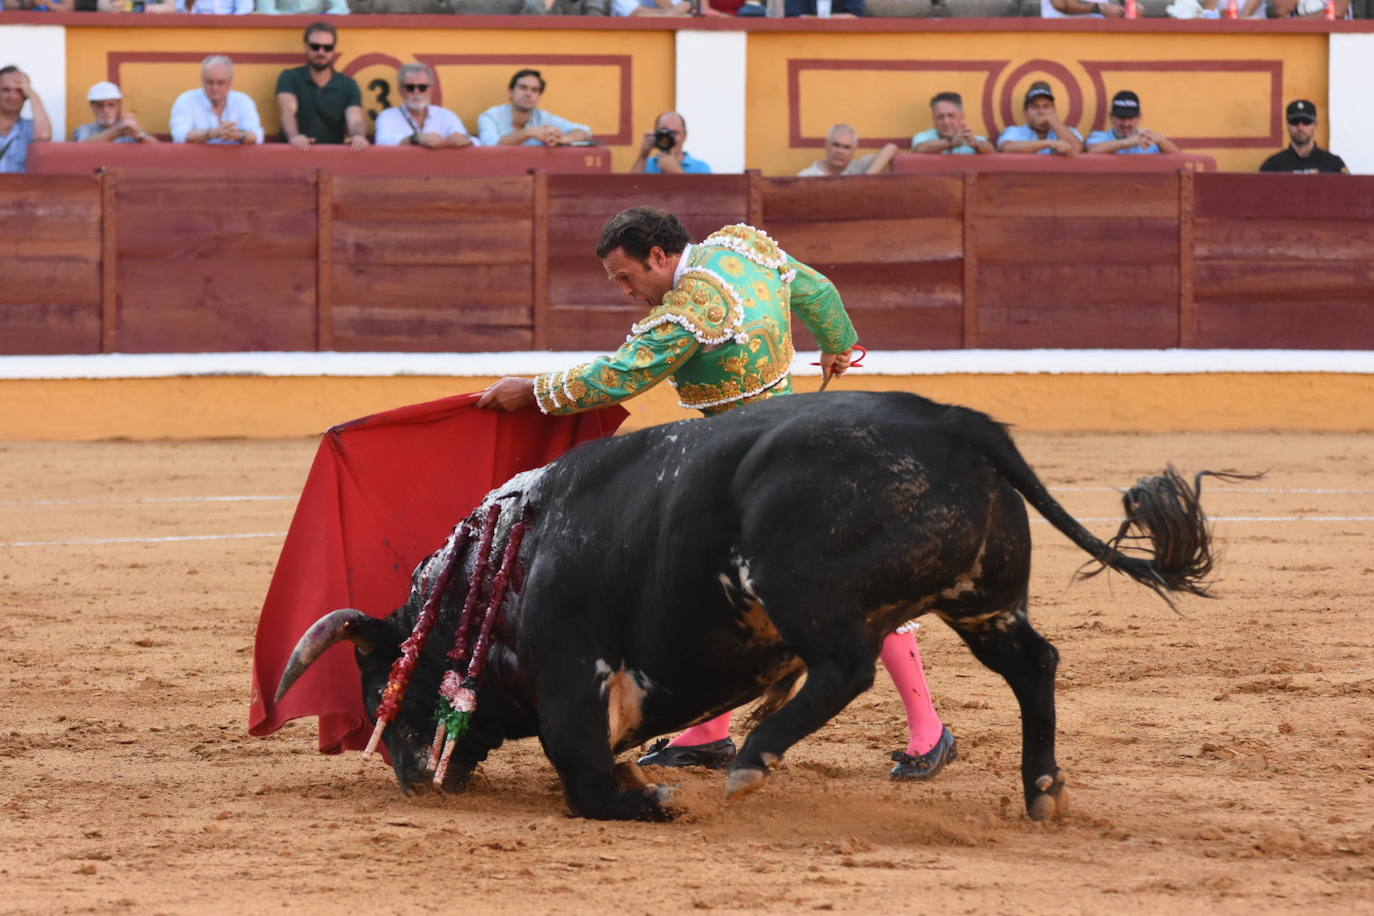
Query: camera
[[665, 139]]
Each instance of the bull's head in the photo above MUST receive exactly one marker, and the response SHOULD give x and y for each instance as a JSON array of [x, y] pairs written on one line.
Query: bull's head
[[377, 644]]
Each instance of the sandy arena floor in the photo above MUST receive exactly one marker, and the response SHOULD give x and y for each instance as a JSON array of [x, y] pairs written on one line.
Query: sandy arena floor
[[1222, 761]]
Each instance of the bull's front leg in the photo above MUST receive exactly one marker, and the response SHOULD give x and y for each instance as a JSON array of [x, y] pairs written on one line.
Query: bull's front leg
[[574, 728], [1009, 645], [839, 667]]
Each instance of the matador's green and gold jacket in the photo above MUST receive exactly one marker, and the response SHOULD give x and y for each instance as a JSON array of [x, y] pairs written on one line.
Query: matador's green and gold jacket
[[722, 336]]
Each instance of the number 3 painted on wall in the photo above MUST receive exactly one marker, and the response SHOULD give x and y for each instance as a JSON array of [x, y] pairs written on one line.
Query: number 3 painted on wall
[[383, 90]]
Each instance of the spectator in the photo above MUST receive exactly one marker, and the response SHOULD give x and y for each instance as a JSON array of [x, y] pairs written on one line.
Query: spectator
[[216, 7], [417, 122], [1245, 9], [1308, 9], [834, 9], [1303, 154], [523, 122], [17, 133], [1069, 9], [111, 125], [40, 6], [1126, 135], [669, 137], [566, 8], [1043, 132], [840, 145], [951, 133], [216, 113], [675, 7], [316, 103], [651, 7], [303, 7]]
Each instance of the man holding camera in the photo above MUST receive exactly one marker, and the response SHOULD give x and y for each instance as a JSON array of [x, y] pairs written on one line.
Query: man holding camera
[[667, 142]]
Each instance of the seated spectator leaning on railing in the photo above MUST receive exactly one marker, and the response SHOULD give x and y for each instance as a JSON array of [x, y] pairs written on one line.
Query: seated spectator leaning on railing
[[303, 7], [522, 122], [827, 9], [1245, 9], [215, 113], [17, 133], [669, 138], [1069, 9], [216, 7], [1043, 132], [1306, 9], [1303, 154], [840, 145], [316, 103], [951, 133], [566, 8], [1126, 135], [416, 122], [111, 124]]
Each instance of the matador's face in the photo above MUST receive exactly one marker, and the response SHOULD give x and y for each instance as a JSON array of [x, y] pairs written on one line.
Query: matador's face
[[646, 281]]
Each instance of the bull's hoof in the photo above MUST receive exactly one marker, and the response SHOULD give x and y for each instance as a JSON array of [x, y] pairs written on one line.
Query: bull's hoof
[[652, 803], [744, 780], [1052, 800]]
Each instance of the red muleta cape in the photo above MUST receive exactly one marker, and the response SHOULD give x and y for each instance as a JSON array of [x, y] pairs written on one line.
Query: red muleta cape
[[382, 495]]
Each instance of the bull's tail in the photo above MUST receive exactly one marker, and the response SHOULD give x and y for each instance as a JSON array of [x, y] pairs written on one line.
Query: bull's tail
[[1172, 549]]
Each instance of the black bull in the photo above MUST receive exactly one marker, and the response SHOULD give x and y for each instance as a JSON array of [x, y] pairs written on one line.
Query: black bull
[[681, 571]]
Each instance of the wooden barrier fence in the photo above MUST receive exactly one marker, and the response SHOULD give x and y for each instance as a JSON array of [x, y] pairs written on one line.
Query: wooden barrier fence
[[178, 262]]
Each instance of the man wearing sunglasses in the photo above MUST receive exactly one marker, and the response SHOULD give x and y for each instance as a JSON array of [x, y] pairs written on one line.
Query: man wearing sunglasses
[[417, 122], [316, 103], [1303, 155]]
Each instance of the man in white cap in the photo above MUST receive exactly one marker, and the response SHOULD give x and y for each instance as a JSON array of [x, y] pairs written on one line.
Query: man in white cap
[[111, 125]]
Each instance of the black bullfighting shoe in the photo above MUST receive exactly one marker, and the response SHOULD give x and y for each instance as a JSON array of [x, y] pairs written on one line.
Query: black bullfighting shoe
[[911, 768], [714, 756]]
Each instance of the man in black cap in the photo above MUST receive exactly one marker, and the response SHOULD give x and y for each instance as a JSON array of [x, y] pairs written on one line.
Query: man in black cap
[[1043, 132], [1126, 135], [1303, 154]]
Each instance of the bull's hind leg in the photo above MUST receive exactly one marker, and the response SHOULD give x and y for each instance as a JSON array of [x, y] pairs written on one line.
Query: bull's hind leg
[[1006, 643], [839, 667], [574, 729]]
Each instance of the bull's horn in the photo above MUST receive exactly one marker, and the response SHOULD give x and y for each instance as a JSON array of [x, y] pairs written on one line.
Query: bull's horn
[[345, 623]]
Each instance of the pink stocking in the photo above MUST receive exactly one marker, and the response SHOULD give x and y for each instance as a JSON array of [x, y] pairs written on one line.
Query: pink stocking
[[902, 659], [707, 732]]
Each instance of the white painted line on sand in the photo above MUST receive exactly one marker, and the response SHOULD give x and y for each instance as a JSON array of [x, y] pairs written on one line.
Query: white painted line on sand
[[105, 501], [82, 542], [150, 500]]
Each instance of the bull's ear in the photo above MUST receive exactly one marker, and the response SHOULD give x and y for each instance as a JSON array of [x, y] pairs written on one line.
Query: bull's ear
[[366, 633]]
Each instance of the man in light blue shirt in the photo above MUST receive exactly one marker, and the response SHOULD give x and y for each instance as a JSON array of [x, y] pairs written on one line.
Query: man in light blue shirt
[[669, 138], [1043, 132], [523, 122], [1126, 135], [951, 133], [217, 7], [215, 113], [16, 133]]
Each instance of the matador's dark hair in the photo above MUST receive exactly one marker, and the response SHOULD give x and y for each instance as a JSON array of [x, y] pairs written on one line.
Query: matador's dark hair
[[640, 229]]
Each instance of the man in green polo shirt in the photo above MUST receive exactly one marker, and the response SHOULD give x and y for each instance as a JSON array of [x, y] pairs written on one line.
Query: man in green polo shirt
[[316, 103]]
